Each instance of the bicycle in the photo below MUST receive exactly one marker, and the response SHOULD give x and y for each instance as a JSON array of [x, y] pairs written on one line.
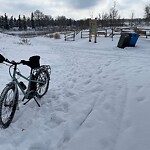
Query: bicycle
[[38, 84]]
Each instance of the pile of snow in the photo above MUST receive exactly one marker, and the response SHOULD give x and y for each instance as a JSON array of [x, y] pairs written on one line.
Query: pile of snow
[[98, 99]]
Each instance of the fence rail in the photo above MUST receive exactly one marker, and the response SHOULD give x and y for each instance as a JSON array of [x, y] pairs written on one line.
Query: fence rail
[[85, 34], [70, 36], [102, 32]]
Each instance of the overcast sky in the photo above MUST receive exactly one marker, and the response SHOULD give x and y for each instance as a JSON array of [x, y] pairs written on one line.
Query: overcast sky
[[75, 9]]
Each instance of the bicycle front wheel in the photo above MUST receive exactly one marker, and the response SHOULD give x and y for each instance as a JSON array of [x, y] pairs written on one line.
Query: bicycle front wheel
[[8, 104]]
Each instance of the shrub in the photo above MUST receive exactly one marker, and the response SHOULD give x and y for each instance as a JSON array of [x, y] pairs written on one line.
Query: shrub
[[56, 36]]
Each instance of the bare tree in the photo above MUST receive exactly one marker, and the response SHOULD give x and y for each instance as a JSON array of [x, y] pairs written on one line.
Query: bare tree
[[105, 19], [62, 22], [132, 17], [113, 12], [91, 13], [38, 17], [114, 15], [38, 14], [147, 14]]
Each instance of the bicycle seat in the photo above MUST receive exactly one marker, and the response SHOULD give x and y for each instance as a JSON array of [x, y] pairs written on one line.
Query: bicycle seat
[[34, 62]]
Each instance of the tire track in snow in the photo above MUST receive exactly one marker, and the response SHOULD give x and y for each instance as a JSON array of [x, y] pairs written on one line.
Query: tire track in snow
[[95, 101], [121, 99], [108, 109], [91, 104], [126, 121], [122, 112], [76, 76]]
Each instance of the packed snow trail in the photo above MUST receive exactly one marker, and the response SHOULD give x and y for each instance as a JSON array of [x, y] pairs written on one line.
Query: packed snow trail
[[93, 89]]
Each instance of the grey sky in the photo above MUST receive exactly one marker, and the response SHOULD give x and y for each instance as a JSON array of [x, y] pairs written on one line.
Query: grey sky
[[82, 4], [76, 9]]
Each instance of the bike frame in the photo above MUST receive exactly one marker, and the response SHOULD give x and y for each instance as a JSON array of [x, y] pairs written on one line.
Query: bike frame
[[16, 82], [36, 85]]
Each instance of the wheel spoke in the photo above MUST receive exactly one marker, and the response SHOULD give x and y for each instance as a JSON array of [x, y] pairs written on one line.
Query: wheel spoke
[[8, 103], [7, 106], [43, 86]]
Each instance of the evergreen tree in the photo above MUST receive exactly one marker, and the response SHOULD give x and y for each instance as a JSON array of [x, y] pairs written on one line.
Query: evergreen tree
[[15, 22], [32, 21], [28, 22], [6, 25], [1, 22], [19, 23], [24, 23], [11, 22]]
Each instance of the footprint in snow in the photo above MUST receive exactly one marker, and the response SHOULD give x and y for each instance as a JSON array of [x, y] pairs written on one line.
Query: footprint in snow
[[64, 107], [87, 81], [109, 107], [139, 70], [140, 99], [99, 71], [107, 143], [108, 63], [54, 121], [139, 87], [127, 123], [65, 139], [104, 76], [74, 80], [54, 96], [39, 146], [96, 88], [116, 78], [69, 93]]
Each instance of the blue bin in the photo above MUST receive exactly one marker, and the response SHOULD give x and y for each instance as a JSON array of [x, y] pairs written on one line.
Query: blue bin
[[133, 39]]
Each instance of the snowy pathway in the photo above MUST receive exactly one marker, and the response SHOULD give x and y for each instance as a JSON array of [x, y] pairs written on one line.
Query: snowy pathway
[[94, 95]]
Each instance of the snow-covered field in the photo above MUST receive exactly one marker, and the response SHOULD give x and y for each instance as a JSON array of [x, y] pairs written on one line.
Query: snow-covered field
[[98, 99]]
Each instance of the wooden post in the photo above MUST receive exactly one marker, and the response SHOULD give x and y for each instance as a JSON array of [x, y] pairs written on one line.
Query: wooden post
[[95, 37], [112, 34], [146, 34], [90, 36], [65, 36], [93, 29], [105, 32], [74, 35]]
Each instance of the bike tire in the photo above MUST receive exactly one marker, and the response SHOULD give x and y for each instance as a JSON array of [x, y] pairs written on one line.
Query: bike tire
[[8, 104], [41, 89]]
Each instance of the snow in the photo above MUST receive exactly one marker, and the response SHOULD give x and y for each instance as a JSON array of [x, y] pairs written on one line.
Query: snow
[[98, 97]]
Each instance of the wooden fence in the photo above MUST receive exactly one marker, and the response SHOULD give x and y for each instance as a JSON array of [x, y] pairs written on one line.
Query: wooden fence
[[70, 36], [143, 32], [102, 32], [85, 34]]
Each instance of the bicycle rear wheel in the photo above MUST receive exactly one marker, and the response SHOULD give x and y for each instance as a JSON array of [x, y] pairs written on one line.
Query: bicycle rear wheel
[[8, 104], [43, 78]]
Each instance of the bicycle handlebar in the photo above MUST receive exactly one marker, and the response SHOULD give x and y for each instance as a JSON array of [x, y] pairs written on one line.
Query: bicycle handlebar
[[31, 62], [12, 62]]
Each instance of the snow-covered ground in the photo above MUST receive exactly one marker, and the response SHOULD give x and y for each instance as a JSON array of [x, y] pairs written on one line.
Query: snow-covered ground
[[98, 99]]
